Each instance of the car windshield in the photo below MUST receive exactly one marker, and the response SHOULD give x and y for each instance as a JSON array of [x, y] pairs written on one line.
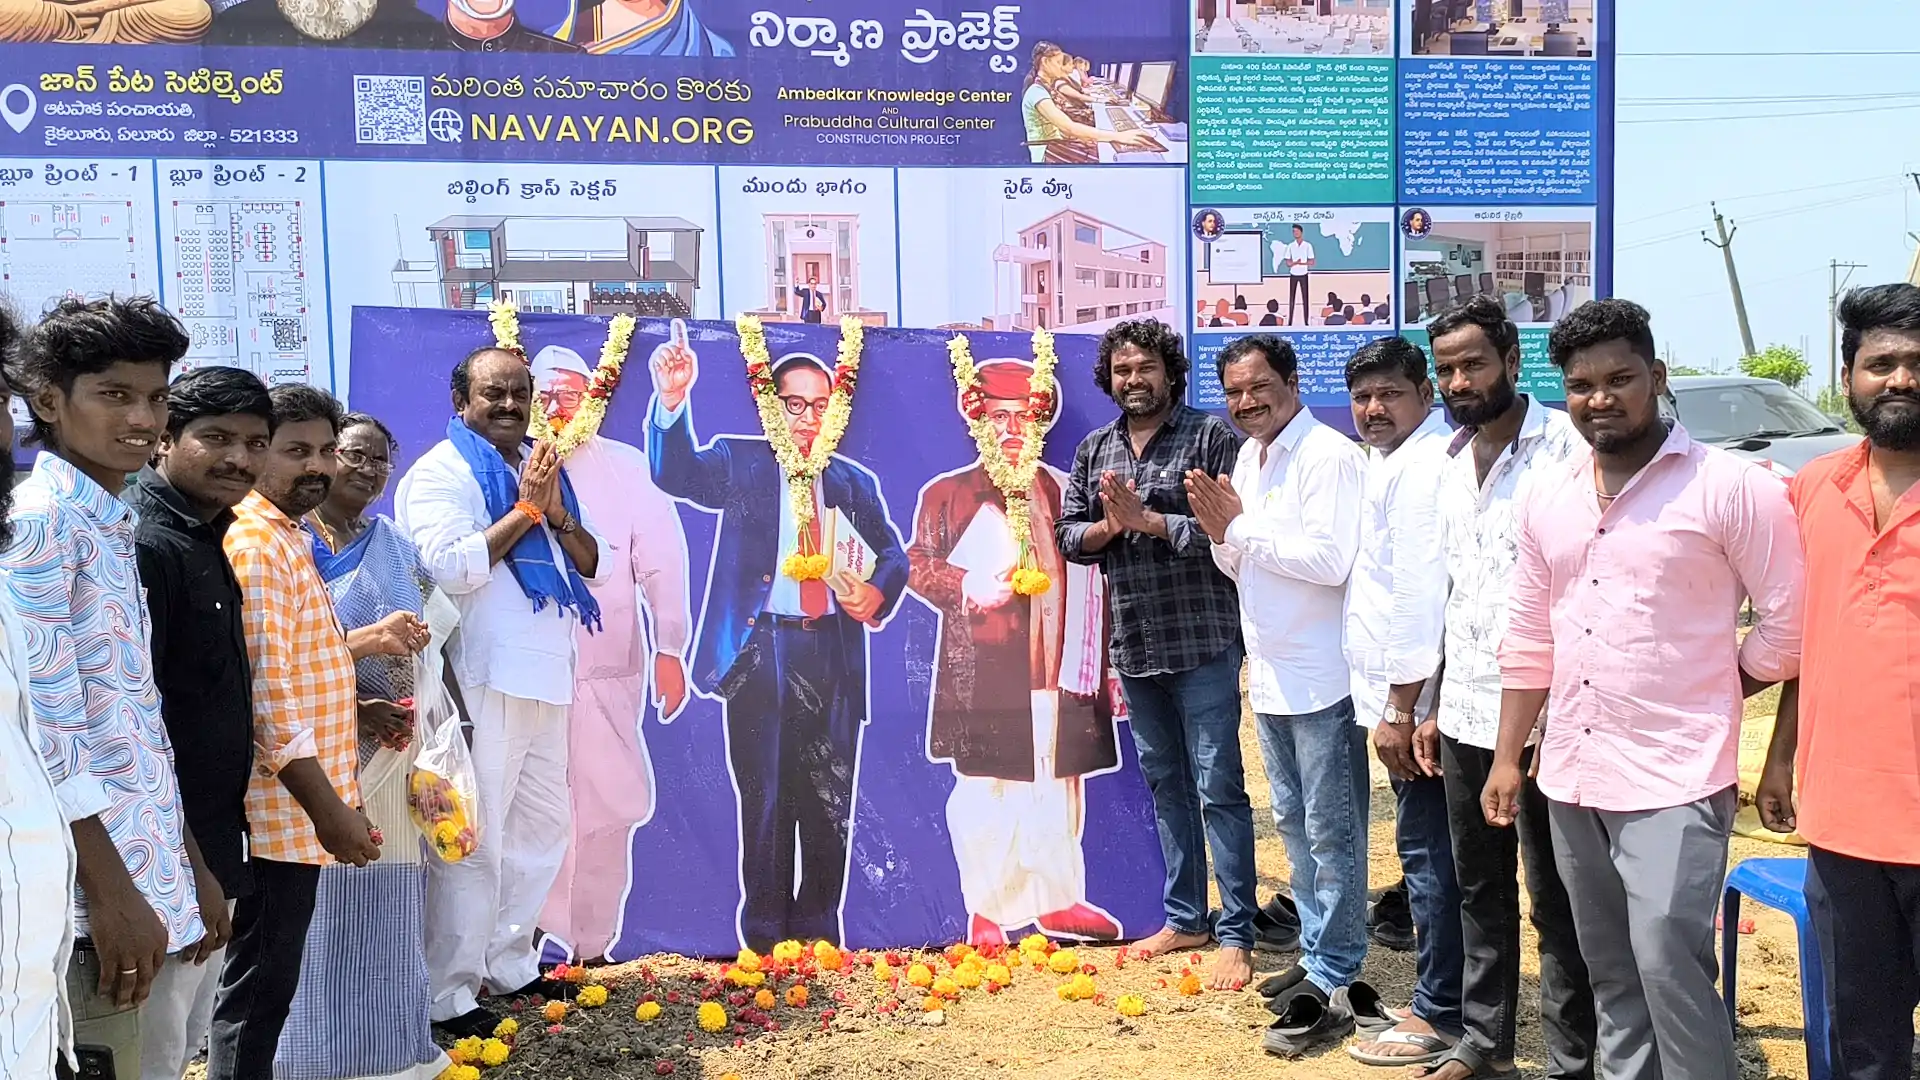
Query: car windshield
[[1745, 410]]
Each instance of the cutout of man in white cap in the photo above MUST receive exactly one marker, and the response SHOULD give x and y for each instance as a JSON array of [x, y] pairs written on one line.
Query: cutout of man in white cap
[[609, 772], [1020, 747]]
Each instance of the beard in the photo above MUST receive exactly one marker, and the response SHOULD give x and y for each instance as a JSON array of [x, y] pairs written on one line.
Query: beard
[[1153, 404], [1889, 428], [328, 20], [1486, 411], [1613, 442]]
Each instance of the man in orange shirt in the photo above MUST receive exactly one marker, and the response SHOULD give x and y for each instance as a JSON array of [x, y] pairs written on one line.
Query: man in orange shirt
[[303, 805], [1856, 727]]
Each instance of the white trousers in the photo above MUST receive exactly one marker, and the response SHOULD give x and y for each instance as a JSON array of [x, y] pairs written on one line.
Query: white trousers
[[178, 1013], [481, 910], [1017, 844]]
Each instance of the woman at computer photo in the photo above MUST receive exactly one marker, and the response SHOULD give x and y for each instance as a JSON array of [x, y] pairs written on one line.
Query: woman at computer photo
[[1053, 136]]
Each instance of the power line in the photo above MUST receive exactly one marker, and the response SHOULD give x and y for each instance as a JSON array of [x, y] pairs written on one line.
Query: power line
[[1758, 195], [1771, 215], [1782, 53]]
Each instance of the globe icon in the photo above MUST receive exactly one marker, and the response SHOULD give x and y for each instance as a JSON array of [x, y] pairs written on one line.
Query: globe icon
[[444, 125]]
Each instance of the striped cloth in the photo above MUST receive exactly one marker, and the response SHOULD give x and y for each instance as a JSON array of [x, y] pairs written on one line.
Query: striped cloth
[[303, 679], [71, 574], [361, 1009]]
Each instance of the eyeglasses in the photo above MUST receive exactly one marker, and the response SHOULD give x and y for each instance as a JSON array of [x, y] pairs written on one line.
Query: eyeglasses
[[568, 398], [358, 459], [796, 405]]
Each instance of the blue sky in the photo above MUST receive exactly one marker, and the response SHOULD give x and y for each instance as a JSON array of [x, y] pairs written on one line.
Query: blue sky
[[1807, 153]]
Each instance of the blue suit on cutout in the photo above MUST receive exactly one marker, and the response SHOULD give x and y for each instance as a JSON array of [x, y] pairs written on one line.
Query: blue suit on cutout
[[795, 690]]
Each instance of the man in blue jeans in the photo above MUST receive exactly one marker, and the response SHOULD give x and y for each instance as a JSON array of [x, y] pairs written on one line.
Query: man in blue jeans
[[1175, 635], [1396, 616], [1286, 527]]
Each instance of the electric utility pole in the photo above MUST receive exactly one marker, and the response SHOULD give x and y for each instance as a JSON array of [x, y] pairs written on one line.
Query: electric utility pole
[[1834, 284], [1727, 229]]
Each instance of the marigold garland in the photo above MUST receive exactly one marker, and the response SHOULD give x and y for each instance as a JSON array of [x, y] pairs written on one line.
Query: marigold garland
[[569, 435], [802, 470], [1013, 478]]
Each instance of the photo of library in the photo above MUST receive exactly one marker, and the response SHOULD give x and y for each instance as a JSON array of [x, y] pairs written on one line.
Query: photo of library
[[1294, 27], [1539, 270], [1538, 29]]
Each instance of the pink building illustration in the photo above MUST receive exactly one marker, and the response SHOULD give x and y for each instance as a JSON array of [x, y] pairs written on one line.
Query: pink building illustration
[[1075, 271]]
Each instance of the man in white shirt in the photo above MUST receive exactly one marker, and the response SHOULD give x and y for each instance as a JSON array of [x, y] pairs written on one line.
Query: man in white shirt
[[1506, 441], [609, 770], [499, 528], [1299, 260], [1396, 606], [36, 862], [1286, 528]]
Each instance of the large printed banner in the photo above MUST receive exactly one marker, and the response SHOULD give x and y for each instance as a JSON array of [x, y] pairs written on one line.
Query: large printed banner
[[967, 761]]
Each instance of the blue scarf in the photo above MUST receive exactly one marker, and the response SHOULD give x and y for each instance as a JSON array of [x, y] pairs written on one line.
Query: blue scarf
[[531, 558]]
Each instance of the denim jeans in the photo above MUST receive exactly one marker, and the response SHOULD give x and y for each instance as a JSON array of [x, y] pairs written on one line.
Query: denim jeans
[[1425, 841], [1317, 769], [1867, 917], [1487, 863], [1186, 726]]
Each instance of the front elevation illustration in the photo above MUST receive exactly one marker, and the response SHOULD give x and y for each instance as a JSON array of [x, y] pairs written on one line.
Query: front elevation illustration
[[642, 266]]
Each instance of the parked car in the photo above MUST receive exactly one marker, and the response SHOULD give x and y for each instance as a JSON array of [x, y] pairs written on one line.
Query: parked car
[[1755, 418]]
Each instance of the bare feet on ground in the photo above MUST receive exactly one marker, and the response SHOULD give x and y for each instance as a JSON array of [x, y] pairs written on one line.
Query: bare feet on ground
[[1231, 969], [1169, 940]]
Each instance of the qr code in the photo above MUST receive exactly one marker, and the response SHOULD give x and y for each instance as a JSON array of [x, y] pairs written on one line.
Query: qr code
[[390, 110]]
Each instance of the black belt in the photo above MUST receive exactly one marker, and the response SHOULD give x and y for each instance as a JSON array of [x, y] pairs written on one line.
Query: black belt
[[795, 622]]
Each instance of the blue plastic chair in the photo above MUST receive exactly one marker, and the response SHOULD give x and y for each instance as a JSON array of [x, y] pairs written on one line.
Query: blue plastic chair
[[1780, 884]]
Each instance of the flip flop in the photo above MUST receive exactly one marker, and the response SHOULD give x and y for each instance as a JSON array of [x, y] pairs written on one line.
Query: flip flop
[[1432, 1047], [1307, 1024], [1369, 1011], [1478, 1068]]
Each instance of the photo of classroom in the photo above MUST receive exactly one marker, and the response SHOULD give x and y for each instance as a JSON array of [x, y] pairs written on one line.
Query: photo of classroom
[[1294, 27], [1539, 270], [1288, 273], [1078, 112], [1514, 28]]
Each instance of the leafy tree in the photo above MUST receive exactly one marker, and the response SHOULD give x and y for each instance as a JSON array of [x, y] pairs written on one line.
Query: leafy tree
[[1780, 363], [1833, 402], [1683, 369]]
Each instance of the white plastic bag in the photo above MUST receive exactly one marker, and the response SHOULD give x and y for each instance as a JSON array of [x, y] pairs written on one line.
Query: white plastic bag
[[442, 792]]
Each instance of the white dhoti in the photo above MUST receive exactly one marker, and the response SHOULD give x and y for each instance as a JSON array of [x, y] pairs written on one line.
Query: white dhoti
[[611, 779], [1017, 843], [481, 910]]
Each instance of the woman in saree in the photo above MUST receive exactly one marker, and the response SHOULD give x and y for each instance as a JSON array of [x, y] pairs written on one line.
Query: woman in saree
[[361, 1009]]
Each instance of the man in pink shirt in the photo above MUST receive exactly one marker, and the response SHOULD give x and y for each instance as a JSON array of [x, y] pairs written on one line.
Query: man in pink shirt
[[1623, 625]]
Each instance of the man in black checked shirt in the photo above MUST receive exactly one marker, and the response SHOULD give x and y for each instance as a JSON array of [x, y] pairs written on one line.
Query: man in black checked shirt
[[1175, 630]]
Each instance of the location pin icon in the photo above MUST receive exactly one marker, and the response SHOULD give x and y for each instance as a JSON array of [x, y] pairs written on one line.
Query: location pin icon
[[18, 118]]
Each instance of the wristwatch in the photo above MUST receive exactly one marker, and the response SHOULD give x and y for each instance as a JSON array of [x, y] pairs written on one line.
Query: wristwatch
[[1396, 717], [567, 525]]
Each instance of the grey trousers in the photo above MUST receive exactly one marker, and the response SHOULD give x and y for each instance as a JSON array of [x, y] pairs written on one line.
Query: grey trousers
[[1645, 887]]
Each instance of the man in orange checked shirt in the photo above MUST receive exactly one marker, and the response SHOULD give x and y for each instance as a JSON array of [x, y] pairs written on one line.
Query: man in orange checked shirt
[[1852, 719], [302, 807]]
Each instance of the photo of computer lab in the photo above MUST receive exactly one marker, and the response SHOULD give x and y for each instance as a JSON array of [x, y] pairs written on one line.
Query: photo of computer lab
[[1539, 29], [1104, 114], [1294, 27], [1539, 270]]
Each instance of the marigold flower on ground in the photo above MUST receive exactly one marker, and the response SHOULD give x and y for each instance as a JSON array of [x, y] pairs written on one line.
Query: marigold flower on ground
[[555, 1011], [797, 996], [1063, 962], [1034, 943], [1131, 1005], [882, 971], [647, 1010], [748, 959], [506, 1029], [744, 977], [713, 1017], [1079, 988], [460, 1072], [494, 1053], [967, 977], [999, 974], [788, 951], [763, 999], [946, 987], [958, 953], [593, 997], [1190, 984], [465, 1052], [933, 1004], [828, 955], [920, 975]]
